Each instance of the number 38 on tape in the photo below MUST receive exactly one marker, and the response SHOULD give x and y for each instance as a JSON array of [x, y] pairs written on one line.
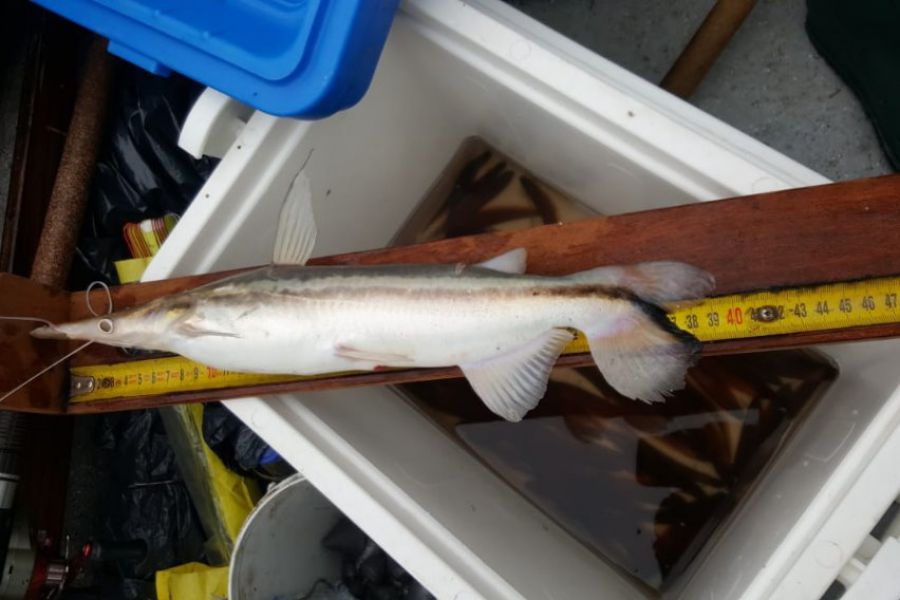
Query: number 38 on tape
[[792, 310]]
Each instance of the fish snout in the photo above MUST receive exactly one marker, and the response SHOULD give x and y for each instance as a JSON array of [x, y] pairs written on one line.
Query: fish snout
[[50, 332]]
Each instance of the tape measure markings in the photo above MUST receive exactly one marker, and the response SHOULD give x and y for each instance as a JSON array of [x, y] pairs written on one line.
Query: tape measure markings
[[792, 310]]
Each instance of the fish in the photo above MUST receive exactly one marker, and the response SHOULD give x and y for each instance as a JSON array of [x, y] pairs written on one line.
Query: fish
[[504, 328]]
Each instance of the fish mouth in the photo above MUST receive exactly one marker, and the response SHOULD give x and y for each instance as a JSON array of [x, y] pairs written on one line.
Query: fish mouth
[[50, 332]]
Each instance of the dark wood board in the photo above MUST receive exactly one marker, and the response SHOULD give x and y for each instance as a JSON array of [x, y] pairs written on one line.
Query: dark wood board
[[796, 237], [51, 80], [21, 355], [49, 56]]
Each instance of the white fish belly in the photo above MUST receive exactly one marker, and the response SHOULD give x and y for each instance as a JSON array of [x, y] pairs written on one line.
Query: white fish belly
[[364, 332], [419, 334]]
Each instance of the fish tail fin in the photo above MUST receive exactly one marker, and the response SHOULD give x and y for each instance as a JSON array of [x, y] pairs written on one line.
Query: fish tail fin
[[639, 351], [656, 282]]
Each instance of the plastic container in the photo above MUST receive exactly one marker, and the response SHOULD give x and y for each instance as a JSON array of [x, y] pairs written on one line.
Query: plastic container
[[599, 134], [279, 552], [303, 58]]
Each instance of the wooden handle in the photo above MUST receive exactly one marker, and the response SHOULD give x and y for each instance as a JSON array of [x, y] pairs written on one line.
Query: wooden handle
[[721, 23]]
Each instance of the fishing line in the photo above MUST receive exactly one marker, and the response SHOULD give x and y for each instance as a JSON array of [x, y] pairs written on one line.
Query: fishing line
[[109, 300], [44, 370], [105, 325]]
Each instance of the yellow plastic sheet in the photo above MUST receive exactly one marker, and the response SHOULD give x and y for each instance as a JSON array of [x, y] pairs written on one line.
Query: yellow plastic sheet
[[192, 581], [234, 496]]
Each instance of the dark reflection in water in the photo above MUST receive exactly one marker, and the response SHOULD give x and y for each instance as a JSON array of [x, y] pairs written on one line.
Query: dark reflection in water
[[642, 485]]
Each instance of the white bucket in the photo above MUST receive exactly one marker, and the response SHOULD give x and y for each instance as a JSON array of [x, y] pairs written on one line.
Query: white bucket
[[279, 552]]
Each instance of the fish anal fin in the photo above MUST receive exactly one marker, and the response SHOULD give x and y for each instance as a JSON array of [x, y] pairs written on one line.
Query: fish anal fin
[[513, 383], [296, 235], [513, 261], [656, 282], [640, 352]]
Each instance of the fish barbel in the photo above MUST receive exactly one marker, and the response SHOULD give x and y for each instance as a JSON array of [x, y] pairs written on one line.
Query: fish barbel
[[505, 329]]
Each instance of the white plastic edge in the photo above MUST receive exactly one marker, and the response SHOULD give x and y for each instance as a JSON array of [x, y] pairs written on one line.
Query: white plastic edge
[[358, 489], [213, 124], [840, 518], [881, 578], [693, 139]]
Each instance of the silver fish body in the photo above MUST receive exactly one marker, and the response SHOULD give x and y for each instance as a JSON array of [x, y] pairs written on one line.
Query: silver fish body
[[310, 320], [504, 329]]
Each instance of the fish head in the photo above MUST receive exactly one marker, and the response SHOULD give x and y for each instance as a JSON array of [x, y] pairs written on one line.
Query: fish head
[[142, 328]]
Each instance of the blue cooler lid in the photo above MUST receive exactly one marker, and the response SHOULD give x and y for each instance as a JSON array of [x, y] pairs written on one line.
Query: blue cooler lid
[[301, 58]]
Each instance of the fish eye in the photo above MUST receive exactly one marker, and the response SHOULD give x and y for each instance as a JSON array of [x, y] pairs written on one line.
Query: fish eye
[[105, 325]]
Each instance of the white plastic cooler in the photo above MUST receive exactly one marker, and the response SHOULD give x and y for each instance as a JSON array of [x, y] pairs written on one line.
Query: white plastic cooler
[[617, 143]]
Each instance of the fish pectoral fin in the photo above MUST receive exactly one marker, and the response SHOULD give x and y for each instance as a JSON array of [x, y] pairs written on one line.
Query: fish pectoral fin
[[640, 352], [194, 330], [376, 358], [514, 382], [513, 262], [296, 236], [657, 282]]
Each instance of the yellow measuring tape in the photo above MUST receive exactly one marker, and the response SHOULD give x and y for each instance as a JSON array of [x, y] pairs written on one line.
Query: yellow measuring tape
[[737, 316]]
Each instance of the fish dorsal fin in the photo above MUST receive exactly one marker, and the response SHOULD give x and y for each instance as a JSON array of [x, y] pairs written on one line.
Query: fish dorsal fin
[[656, 282], [296, 235], [514, 382], [513, 262]]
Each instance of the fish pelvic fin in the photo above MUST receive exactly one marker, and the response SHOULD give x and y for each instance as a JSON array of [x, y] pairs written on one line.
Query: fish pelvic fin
[[513, 383], [640, 352], [656, 282], [296, 235]]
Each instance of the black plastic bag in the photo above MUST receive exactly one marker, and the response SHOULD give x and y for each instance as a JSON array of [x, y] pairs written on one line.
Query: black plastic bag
[[145, 498], [141, 172], [234, 443]]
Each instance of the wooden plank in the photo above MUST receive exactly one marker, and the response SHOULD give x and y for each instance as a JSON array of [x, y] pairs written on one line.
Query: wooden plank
[[801, 236], [48, 97], [797, 237], [22, 355]]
